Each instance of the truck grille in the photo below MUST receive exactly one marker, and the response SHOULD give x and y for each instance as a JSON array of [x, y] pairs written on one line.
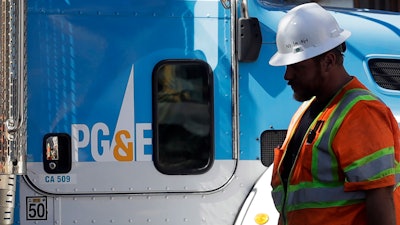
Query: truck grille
[[270, 139], [386, 72]]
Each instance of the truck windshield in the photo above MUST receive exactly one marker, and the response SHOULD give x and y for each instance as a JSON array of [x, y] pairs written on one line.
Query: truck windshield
[[334, 3], [360, 4]]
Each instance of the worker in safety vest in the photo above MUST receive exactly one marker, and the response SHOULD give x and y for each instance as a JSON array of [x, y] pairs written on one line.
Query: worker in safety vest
[[339, 163]]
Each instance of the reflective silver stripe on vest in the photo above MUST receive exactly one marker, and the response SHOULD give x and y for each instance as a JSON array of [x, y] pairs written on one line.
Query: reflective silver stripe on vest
[[278, 199], [398, 174], [368, 170], [322, 197], [328, 171]]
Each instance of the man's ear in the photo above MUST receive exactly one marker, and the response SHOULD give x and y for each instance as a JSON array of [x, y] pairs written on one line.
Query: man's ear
[[329, 61]]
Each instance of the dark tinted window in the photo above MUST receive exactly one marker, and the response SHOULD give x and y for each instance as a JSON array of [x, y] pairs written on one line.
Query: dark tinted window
[[182, 117]]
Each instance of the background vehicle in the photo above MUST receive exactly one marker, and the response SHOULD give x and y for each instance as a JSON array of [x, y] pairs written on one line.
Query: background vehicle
[[156, 111]]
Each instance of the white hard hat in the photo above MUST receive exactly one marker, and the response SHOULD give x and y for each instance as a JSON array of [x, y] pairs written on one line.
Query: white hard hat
[[304, 32]]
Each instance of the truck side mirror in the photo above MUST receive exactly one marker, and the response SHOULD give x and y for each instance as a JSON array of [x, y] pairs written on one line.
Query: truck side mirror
[[249, 39]]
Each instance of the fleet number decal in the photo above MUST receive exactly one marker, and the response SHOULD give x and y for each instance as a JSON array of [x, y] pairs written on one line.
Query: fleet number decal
[[36, 208], [58, 179]]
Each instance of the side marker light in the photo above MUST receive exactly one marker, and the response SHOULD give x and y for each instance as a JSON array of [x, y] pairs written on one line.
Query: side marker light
[[261, 218]]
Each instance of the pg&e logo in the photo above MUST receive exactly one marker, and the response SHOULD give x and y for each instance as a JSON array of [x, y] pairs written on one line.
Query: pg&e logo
[[124, 145]]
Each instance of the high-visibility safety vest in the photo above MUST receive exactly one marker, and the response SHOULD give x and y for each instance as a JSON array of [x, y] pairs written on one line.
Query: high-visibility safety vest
[[347, 154]]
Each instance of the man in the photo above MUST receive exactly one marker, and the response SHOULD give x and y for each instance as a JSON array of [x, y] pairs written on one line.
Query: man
[[339, 161]]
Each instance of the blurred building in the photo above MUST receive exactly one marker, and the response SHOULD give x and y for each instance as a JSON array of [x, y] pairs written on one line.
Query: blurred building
[[390, 5]]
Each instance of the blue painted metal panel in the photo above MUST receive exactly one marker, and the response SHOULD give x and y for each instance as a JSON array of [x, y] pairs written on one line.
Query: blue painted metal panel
[[81, 54]]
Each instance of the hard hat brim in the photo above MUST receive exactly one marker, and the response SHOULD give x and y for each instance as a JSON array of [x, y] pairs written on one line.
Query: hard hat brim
[[279, 59]]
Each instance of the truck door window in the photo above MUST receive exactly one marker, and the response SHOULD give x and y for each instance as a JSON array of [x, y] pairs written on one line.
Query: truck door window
[[183, 117]]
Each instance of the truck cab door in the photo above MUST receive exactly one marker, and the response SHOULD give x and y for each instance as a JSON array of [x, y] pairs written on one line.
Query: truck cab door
[[129, 97]]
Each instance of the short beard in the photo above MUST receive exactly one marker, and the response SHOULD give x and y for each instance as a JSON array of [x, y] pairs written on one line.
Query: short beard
[[301, 98], [307, 95]]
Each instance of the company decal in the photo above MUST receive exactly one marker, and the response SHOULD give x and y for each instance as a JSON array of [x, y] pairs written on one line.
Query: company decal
[[126, 144]]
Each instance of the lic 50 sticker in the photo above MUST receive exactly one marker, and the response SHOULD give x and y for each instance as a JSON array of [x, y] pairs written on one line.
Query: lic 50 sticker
[[36, 208]]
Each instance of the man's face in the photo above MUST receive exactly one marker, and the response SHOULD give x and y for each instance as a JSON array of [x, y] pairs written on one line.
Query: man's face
[[305, 78]]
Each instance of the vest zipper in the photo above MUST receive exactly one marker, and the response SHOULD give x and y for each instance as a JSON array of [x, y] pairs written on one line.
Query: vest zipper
[[316, 124]]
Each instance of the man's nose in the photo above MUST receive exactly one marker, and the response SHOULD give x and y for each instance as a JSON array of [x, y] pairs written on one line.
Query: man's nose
[[288, 73]]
